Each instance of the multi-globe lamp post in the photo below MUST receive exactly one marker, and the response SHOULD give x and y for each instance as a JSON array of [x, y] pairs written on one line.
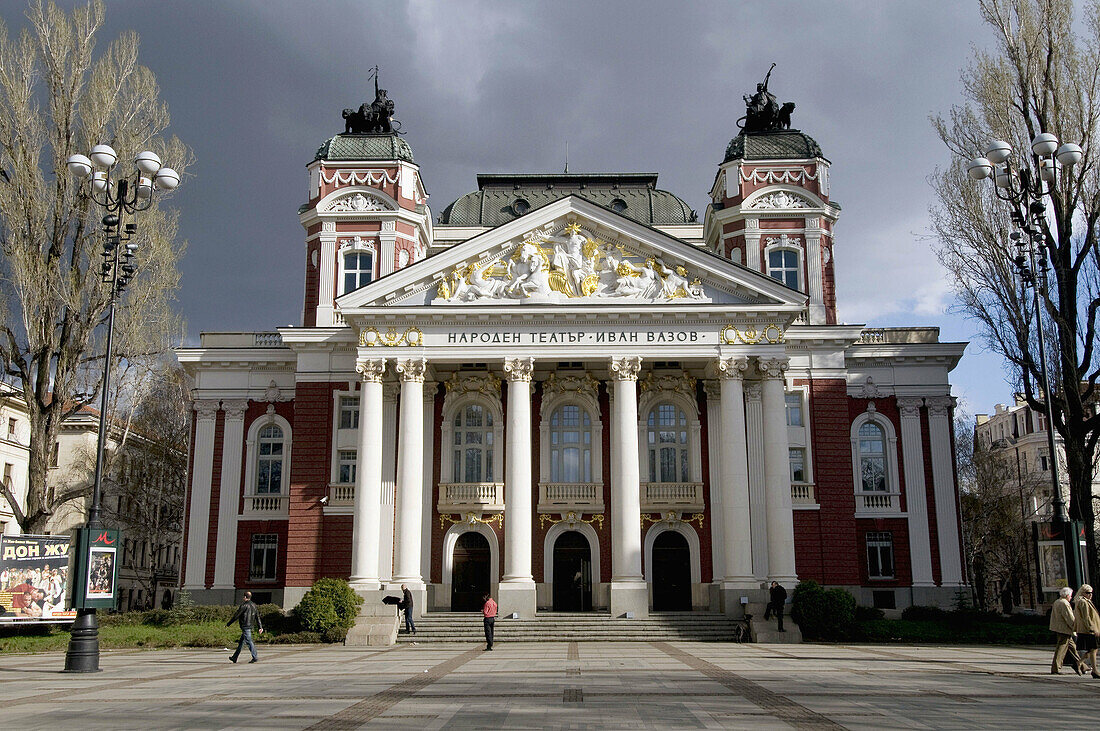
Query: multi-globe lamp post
[[1024, 188], [119, 195]]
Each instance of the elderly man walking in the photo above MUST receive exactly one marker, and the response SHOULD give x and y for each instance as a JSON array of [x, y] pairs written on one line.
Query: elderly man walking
[[1062, 624]]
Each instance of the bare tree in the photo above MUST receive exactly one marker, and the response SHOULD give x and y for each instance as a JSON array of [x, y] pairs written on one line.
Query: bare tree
[[1041, 76], [57, 98]]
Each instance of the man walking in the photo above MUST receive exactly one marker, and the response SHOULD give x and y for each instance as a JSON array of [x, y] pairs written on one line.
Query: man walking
[[248, 616], [407, 605], [490, 612], [777, 598], [1062, 625]]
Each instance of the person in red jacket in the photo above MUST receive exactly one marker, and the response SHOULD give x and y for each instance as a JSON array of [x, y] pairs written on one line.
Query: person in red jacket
[[490, 612]]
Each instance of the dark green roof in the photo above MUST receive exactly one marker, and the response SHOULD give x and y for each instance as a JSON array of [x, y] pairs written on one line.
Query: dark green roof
[[786, 145], [502, 198], [365, 147]]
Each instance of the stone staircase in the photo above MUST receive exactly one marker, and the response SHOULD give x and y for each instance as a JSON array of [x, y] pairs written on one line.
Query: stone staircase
[[580, 627], [764, 630]]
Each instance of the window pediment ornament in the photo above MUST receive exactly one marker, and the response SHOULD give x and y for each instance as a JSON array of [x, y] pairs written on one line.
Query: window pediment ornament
[[682, 384], [358, 243], [487, 384], [273, 394], [870, 390], [780, 199], [784, 241], [556, 384], [357, 203]]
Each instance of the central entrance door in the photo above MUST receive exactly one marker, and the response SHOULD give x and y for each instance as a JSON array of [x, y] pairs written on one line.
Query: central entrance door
[[572, 573], [470, 568], [671, 573]]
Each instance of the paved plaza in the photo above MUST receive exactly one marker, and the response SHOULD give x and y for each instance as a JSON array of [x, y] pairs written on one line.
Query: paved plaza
[[553, 685]]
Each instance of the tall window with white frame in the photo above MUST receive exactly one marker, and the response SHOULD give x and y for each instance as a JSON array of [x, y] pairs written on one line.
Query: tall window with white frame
[[794, 408], [872, 458], [880, 555], [346, 466], [269, 461], [798, 464], [358, 270], [349, 412], [570, 445], [783, 265], [667, 442], [473, 445], [265, 551]]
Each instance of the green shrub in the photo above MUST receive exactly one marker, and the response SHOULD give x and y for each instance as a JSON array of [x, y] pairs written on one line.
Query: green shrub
[[278, 622], [183, 608], [329, 606], [293, 638], [867, 614], [826, 614], [918, 613]]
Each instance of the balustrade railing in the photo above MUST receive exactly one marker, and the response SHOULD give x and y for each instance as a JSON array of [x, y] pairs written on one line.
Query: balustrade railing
[[459, 496], [877, 502], [570, 496], [266, 504], [802, 494], [658, 496], [341, 494]]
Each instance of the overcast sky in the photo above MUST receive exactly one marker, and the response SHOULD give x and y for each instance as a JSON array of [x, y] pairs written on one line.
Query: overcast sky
[[255, 87]]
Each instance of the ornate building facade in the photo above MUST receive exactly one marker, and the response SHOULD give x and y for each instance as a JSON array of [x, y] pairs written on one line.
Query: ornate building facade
[[568, 392]]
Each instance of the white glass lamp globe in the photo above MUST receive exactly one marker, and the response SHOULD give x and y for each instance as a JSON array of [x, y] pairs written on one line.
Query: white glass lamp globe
[[79, 166], [167, 179], [1069, 154], [979, 168], [144, 187], [1044, 144], [104, 156], [1048, 170], [998, 151], [99, 181], [1003, 178], [147, 162]]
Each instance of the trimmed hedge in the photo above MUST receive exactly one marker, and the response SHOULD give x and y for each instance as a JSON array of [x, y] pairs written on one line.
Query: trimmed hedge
[[826, 614], [330, 608]]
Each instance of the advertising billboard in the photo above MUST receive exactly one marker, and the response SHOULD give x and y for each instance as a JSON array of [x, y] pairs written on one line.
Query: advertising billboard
[[34, 579]]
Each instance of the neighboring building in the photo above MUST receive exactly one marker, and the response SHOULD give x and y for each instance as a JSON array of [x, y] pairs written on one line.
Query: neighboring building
[[14, 453], [570, 393]]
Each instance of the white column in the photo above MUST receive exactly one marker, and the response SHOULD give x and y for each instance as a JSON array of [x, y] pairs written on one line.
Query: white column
[[326, 279], [714, 449], [916, 501], [517, 588], [430, 430], [777, 475], [390, 392], [229, 496], [816, 288], [758, 509], [198, 516], [410, 466], [629, 592], [943, 485], [368, 477], [735, 484], [752, 251]]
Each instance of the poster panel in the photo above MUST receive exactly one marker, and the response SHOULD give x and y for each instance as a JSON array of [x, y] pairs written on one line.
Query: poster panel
[[101, 573], [34, 579], [1052, 565]]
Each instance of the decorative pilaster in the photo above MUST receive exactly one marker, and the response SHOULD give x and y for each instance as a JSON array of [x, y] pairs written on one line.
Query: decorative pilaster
[[327, 269], [916, 501], [225, 552], [368, 476], [816, 288], [429, 462], [517, 587], [777, 475], [943, 485], [202, 473], [629, 592], [734, 484], [713, 391], [410, 466]]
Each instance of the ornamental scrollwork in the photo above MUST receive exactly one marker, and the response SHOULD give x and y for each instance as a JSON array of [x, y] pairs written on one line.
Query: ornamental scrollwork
[[772, 367], [371, 370], [586, 384], [357, 203], [571, 519], [371, 337], [682, 383], [626, 368], [672, 517], [487, 384], [412, 369], [779, 199], [472, 519], [733, 335]]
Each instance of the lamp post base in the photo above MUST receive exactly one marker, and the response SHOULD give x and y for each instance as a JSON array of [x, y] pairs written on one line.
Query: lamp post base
[[83, 653]]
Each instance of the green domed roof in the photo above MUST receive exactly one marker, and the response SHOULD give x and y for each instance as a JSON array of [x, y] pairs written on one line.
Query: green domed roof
[[503, 198], [785, 145], [365, 147]]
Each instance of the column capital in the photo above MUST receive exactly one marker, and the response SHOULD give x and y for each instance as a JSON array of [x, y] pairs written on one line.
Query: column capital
[[713, 390], [734, 367], [412, 369], [370, 369], [753, 391], [206, 408], [772, 368], [235, 409], [519, 369], [626, 368], [910, 407], [940, 405]]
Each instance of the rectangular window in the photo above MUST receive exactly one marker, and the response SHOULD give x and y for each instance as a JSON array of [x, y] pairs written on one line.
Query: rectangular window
[[7, 475], [794, 408], [265, 548], [11, 428], [880, 555], [798, 464], [1043, 463], [347, 466], [349, 412]]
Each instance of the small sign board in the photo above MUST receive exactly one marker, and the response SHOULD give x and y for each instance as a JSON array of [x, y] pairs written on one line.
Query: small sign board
[[97, 585], [35, 576]]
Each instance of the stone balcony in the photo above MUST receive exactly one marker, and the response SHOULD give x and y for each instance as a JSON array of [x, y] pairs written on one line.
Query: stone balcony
[[659, 497], [564, 497], [341, 495], [461, 497], [802, 493], [876, 503], [266, 506]]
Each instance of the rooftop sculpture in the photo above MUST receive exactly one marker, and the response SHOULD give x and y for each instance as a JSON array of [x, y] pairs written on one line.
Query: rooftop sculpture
[[373, 118], [762, 111]]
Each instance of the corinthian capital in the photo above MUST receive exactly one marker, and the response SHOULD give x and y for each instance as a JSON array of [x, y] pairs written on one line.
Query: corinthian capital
[[733, 367], [910, 407], [206, 408], [940, 405], [626, 369], [412, 369], [235, 409], [519, 369], [371, 370], [772, 367]]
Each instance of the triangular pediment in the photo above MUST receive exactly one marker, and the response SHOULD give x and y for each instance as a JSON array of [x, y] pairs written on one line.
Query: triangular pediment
[[573, 252]]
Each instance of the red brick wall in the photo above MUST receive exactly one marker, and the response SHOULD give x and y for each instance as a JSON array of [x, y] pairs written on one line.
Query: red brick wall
[[930, 495], [245, 530], [899, 528], [215, 493], [705, 555], [830, 435], [310, 467], [313, 278]]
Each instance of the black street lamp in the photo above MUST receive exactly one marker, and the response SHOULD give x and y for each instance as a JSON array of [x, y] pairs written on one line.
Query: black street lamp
[[118, 197], [1024, 189]]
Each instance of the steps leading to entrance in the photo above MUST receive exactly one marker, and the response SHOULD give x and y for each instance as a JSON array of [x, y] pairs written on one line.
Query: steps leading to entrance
[[579, 627]]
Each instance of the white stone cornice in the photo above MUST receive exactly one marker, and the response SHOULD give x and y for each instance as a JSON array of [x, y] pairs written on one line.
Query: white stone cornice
[[519, 369], [626, 368], [371, 369], [735, 367], [412, 369]]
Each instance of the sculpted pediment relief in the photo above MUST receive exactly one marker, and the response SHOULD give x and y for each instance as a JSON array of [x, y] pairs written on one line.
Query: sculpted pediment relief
[[357, 203]]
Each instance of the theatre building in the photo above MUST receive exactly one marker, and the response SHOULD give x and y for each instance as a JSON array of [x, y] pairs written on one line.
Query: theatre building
[[568, 392]]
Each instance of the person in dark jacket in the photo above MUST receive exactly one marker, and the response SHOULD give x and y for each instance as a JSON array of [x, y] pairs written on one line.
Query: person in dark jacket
[[407, 605], [248, 616], [777, 598]]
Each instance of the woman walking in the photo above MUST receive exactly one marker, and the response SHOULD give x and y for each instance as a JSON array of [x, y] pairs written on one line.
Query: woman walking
[[1087, 625]]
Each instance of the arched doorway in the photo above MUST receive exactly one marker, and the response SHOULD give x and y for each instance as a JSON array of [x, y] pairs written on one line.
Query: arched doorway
[[572, 573], [671, 573], [470, 574]]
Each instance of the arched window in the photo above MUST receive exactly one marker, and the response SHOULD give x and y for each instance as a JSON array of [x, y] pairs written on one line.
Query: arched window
[[269, 461], [667, 441], [570, 444], [358, 270], [783, 265], [872, 458], [473, 444]]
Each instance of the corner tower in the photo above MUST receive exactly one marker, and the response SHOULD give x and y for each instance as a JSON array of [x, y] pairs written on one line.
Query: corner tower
[[770, 207], [367, 214]]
